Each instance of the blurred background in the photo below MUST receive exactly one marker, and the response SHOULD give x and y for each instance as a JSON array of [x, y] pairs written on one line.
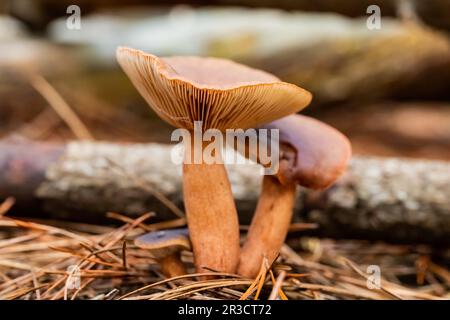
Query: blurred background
[[388, 89], [383, 80]]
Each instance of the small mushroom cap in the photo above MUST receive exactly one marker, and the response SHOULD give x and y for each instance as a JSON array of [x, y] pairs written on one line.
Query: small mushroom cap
[[164, 243], [220, 93], [313, 154]]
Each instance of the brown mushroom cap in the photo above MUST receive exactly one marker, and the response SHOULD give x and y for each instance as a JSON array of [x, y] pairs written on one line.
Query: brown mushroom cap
[[164, 243], [221, 93], [313, 154]]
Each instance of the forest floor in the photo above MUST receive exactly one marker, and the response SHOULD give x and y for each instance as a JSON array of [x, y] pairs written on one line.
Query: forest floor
[[63, 260]]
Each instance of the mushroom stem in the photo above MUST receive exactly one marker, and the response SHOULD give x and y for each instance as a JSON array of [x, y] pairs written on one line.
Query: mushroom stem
[[172, 266], [269, 226], [211, 215]]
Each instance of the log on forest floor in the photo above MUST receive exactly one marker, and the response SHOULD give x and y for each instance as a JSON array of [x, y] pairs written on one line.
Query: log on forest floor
[[388, 199]]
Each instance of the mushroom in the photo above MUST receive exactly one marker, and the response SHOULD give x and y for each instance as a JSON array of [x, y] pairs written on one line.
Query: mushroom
[[166, 247], [222, 95], [312, 154]]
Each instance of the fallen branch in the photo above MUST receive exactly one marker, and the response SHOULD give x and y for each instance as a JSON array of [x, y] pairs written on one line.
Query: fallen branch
[[378, 198]]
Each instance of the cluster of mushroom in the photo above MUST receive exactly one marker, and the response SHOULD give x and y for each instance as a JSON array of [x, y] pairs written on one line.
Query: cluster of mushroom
[[226, 95]]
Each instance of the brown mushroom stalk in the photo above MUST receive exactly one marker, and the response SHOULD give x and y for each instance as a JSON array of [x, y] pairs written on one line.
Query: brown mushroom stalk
[[312, 154], [172, 266], [221, 94], [212, 217], [269, 226]]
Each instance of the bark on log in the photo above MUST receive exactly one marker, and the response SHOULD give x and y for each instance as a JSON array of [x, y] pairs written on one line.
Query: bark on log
[[390, 199], [385, 198]]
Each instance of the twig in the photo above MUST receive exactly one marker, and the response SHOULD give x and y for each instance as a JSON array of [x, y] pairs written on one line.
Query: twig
[[124, 255], [362, 274], [61, 107], [277, 286], [6, 205]]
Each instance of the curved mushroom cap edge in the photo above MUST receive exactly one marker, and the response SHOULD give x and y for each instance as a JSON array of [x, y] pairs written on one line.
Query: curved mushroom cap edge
[[221, 93]]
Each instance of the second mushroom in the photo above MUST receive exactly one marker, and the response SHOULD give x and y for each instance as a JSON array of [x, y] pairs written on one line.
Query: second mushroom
[[312, 154]]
